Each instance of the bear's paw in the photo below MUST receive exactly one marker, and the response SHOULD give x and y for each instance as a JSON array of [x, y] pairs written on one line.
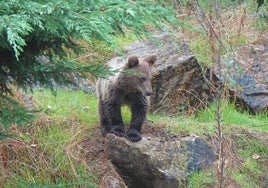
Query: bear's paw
[[133, 135], [105, 130], [118, 130]]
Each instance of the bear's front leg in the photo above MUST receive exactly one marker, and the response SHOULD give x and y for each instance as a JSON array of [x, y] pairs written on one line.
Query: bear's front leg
[[138, 109], [114, 110], [110, 118]]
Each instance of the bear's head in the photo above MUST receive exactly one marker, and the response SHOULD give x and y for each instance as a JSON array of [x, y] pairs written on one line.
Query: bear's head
[[137, 75]]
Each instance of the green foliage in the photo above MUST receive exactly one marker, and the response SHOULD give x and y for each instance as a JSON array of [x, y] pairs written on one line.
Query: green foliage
[[204, 122], [68, 103], [72, 114], [56, 159], [201, 50], [26, 184], [34, 35], [252, 150], [227, 25], [37, 37], [202, 179], [181, 124], [12, 113], [232, 116]]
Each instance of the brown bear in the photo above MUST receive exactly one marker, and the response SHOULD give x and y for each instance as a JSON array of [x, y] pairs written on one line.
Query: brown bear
[[130, 86]]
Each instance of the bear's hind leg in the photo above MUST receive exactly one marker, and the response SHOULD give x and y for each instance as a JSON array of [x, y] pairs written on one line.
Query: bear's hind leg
[[104, 119]]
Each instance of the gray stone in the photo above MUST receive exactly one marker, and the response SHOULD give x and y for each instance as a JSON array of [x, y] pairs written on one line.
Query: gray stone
[[157, 163], [200, 154], [245, 73]]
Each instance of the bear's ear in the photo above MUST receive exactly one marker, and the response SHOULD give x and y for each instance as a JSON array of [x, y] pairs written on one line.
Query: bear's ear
[[133, 61], [151, 59]]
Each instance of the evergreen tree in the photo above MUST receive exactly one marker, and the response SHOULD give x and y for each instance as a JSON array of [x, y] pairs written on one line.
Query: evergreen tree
[[35, 35]]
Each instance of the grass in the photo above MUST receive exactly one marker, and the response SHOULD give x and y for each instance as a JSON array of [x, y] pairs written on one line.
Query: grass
[[46, 153], [234, 116], [202, 179], [239, 129], [253, 152], [235, 27], [205, 122], [99, 52], [68, 103], [68, 117], [177, 124]]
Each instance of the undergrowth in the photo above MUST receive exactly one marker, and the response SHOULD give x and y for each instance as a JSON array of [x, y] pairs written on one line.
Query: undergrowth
[[236, 26], [226, 27], [252, 150], [68, 103], [204, 121], [205, 178], [45, 153], [235, 116]]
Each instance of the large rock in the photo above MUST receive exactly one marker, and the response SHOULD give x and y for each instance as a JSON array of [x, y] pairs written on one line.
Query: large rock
[[156, 162], [178, 82], [245, 72]]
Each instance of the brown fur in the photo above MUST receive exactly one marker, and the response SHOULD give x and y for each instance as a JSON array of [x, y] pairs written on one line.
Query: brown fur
[[130, 86]]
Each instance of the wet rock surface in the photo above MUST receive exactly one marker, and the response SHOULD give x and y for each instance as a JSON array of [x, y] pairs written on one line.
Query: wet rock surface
[[155, 162], [246, 74], [180, 85]]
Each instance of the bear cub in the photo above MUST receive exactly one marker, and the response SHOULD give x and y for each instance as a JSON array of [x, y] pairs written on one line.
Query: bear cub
[[130, 86]]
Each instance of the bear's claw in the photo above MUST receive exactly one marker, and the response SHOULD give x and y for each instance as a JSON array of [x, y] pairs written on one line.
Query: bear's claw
[[105, 130], [118, 130], [133, 135]]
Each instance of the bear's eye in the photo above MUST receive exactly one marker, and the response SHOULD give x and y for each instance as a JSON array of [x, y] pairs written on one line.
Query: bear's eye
[[143, 79]]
